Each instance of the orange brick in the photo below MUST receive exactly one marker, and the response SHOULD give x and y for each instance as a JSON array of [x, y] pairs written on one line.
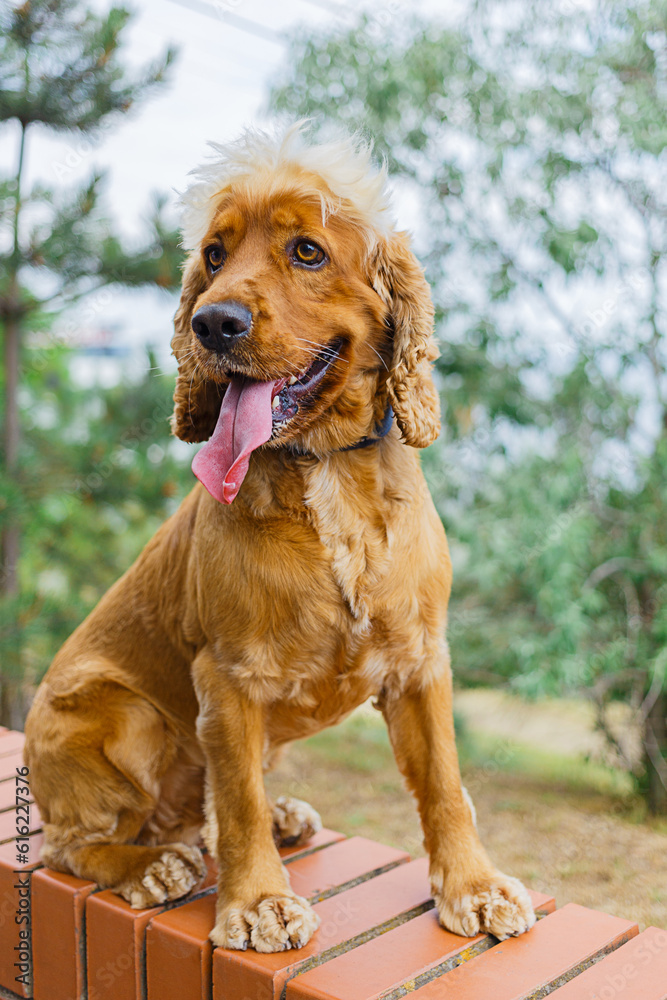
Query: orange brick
[[178, 950], [386, 961], [245, 975], [114, 946], [542, 903], [383, 962], [10, 742], [8, 823], [323, 838], [637, 971], [58, 903], [317, 873], [522, 965], [9, 763], [115, 943], [163, 953], [9, 901], [8, 793]]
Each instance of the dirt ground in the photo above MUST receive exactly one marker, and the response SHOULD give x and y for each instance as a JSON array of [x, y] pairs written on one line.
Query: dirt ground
[[564, 826]]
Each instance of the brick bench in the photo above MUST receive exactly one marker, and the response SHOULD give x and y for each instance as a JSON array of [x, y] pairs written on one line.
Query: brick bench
[[378, 938]]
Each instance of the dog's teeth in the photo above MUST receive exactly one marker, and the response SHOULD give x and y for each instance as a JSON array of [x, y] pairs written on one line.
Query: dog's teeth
[[291, 380], [275, 402]]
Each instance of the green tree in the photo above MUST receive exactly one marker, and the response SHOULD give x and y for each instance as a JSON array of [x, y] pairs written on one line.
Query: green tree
[[532, 142], [60, 70], [100, 472]]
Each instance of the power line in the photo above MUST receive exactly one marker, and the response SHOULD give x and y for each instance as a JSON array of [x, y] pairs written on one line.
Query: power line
[[216, 9]]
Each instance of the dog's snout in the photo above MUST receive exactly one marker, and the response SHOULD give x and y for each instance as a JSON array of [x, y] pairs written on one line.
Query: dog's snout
[[220, 324]]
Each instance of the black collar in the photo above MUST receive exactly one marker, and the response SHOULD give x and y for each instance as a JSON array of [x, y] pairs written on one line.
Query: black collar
[[379, 431]]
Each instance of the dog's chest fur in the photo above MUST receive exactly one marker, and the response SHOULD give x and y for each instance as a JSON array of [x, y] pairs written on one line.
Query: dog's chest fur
[[341, 620], [354, 528]]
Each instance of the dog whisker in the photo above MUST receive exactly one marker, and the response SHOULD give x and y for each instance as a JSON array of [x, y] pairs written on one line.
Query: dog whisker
[[384, 363], [323, 350]]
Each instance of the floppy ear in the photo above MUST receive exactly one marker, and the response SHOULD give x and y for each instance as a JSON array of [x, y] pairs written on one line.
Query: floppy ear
[[398, 278], [196, 403]]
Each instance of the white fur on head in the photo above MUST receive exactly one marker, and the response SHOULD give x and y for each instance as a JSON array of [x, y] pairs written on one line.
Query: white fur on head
[[344, 164]]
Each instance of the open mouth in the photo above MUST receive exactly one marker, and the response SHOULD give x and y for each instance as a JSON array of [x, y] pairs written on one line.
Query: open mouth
[[249, 414], [288, 393]]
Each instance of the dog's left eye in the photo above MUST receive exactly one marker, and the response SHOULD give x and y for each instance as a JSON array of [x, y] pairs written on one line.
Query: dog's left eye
[[305, 252], [215, 257]]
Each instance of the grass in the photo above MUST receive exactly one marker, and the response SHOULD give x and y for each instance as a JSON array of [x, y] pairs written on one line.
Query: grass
[[573, 773]]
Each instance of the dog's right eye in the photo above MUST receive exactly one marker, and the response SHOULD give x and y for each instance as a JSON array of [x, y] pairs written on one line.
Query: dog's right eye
[[307, 253], [215, 257]]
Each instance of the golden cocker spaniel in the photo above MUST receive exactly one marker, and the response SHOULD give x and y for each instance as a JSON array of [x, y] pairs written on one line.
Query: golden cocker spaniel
[[306, 573]]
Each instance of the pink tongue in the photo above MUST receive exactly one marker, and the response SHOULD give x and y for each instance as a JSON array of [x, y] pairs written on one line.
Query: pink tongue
[[244, 423]]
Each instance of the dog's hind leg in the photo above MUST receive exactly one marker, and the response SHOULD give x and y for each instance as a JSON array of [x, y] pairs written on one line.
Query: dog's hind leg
[[144, 876], [295, 822], [96, 776]]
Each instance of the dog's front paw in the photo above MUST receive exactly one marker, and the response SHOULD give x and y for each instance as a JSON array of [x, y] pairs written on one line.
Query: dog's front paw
[[275, 923], [175, 872], [294, 821], [495, 904]]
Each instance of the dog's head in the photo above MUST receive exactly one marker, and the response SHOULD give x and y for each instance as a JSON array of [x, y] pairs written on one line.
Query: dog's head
[[303, 313]]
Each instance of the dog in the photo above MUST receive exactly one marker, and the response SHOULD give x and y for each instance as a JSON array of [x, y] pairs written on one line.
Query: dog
[[306, 572]]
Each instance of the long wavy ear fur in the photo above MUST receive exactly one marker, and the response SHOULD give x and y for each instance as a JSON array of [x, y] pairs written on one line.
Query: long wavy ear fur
[[196, 403], [398, 278]]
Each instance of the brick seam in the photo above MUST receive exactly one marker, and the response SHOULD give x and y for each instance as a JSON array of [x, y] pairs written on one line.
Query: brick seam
[[175, 904], [354, 942], [319, 897], [8, 995], [576, 970], [464, 955]]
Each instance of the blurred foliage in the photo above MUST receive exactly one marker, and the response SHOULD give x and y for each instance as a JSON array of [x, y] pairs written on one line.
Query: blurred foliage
[[529, 141], [60, 65], [61, 68], [101, 472]]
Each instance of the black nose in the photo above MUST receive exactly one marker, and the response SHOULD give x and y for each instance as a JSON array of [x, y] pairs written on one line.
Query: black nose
[[220, 324]]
